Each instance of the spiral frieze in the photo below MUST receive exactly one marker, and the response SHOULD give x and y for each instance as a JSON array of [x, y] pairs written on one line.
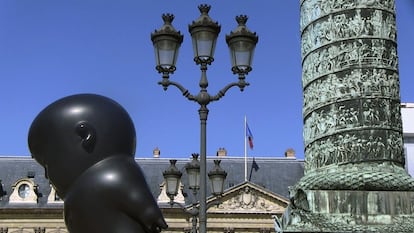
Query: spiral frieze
[[312, 10], [350, 80]]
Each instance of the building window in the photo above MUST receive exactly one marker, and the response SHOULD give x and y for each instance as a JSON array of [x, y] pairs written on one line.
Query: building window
[[24, 191]]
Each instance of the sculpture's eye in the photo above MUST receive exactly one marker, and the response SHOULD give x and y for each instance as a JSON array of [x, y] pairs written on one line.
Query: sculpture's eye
[[87, 135], [82, 130]]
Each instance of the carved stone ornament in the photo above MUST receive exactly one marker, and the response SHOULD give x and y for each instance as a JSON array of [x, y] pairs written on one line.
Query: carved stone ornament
[[250, 199]]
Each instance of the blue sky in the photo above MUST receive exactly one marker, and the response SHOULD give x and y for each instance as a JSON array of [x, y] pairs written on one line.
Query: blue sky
[[53, 48]]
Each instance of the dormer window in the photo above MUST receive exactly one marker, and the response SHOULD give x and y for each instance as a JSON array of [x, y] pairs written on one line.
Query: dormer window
[[24, 191], [53, 198]]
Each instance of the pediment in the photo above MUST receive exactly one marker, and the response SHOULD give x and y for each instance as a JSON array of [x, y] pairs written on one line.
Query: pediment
[[249, 198]]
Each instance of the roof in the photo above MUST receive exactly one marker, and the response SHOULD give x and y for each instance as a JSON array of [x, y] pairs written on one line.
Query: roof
[[274, 174]]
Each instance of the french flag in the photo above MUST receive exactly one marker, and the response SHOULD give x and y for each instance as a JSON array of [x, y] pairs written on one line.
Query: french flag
[[249, 136]]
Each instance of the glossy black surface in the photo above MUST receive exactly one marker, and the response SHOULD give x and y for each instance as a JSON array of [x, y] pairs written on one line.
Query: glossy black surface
[[86, 143]]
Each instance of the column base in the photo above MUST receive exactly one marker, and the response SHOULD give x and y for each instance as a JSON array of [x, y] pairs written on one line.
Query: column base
[[382, 175], [350, 211]]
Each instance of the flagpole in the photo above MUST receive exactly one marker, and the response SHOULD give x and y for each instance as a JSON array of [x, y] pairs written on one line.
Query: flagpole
[[245, 148]]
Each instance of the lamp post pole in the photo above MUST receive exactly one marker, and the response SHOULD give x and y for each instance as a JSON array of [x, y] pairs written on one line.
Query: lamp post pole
[[203, 111], [204, 32]]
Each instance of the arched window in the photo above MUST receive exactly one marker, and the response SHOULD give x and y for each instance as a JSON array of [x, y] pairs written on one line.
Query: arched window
[[24, 191]]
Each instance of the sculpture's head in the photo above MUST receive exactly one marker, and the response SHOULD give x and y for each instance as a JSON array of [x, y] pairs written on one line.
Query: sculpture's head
[[75, 132]]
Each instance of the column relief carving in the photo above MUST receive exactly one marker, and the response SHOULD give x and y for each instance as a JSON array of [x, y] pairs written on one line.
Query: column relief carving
[[314, 9]]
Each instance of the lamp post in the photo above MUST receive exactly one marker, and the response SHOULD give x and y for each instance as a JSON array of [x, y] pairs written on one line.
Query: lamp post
[[204, 32], [172, 176]]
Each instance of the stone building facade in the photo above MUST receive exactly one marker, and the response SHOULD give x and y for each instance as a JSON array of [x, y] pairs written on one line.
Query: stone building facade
[[28, 204]]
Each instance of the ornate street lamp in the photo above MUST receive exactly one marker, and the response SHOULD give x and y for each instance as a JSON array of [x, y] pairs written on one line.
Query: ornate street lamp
[[167, 42], [242, 43], [217, 177], [172, 177], [193, 172], [204, 32]]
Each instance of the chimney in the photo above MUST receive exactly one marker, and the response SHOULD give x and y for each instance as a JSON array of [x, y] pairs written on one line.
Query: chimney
[[290, 153], [156, 152], [222, 152]]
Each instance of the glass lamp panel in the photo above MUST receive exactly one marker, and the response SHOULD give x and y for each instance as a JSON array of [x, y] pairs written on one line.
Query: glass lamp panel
[[172, 185], [242, 54], [166, 53], [217, 185], [193, 178], [204, 44]]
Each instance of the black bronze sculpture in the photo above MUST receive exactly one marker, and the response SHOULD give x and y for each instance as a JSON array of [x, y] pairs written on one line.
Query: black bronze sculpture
[[86, 143]]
